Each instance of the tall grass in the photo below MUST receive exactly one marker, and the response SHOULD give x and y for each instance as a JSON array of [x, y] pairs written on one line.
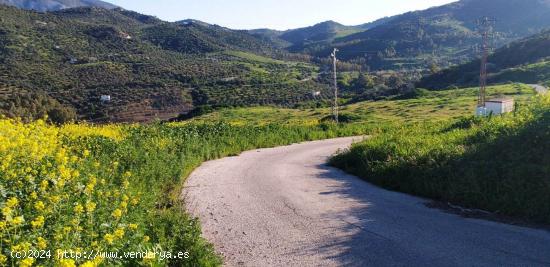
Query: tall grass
[[117, 188], [501, 164]]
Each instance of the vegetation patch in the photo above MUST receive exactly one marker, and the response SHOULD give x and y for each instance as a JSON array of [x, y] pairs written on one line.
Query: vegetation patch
[[499, 164], [108, 188]]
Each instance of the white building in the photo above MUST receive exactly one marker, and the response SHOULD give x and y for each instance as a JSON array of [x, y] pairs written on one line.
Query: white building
[[496, 106], [105, 98]]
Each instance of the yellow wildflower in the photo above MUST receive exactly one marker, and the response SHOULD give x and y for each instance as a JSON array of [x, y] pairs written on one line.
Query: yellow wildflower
[[78, 208], [90, 206], [117, 213], [55, 199], [41, 243], [3, 259], [44, 185], [67, 263], [133, 226], [86, 152], [6, 211], [109, 238], [12, 202], [119, 233], [18, 220], [146, 238], [39, 206], [38, 222], [28, 262]]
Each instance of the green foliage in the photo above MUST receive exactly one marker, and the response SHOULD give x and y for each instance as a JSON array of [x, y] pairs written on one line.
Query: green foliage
[[33, 106], [160, 156], [418, 106], [522, 61], [498, 164], [150, 68]]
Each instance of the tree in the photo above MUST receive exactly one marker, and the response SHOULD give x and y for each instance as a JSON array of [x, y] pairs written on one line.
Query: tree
[[364, 81], [434, 68]]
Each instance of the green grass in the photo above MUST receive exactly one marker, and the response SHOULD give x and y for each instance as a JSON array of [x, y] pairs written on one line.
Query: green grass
[[162, 156], [431, 146], [500, 164], [427, 106]]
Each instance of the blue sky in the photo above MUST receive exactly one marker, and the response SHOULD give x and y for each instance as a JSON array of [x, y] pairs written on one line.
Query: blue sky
[[275, 14]]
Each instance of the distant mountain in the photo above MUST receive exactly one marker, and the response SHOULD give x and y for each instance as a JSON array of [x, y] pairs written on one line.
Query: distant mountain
[[526, 60], [319, 34], [225, 38], [53, 5], [149, 67], [442, 35], [322, 32]]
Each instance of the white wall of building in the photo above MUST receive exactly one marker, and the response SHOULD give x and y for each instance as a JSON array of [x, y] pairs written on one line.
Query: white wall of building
[[499, 107]]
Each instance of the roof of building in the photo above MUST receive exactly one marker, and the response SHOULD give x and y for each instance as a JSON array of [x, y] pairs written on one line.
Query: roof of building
[[500, 100]]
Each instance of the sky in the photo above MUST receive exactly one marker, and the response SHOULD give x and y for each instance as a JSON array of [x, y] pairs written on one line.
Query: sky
[[275, 14]]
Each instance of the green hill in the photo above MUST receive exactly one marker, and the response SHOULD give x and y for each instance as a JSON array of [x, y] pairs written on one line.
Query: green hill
[[320, 34], [52, 5], [150, 68], [526, 60], [443, 35]]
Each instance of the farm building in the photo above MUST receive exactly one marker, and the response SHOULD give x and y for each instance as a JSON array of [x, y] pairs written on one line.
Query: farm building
[[105, 98], [499, 105], [496, 106]]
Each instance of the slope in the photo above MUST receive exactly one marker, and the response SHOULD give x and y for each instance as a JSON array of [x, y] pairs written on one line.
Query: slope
[[296, 40], [443, 35], [52, 5], [526, 60], [150, 68]]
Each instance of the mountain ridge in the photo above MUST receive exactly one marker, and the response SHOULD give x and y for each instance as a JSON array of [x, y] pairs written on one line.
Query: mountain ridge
[[55, 5]]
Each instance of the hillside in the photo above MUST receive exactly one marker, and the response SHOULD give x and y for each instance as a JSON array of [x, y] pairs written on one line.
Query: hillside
[[526, 60], [444, 35], [149, 67], [295, 40], [52, 5]]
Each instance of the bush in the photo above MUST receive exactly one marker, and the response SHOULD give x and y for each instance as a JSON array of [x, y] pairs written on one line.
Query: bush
[[498, 164]]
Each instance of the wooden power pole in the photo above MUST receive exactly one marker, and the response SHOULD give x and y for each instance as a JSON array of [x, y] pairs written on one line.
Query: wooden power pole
[[335, 105]]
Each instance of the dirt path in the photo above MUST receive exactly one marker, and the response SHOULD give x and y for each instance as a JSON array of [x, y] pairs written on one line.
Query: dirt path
[[285, 207]]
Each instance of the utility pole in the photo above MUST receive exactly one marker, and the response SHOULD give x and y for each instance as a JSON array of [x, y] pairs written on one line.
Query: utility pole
[[485, 26], [335, 106]]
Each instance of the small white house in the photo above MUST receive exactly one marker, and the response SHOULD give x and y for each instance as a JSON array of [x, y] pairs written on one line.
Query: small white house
[[497, 106], [105, 98]]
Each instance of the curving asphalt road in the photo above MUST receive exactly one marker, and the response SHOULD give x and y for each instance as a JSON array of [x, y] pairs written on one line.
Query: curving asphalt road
[[284, 207]]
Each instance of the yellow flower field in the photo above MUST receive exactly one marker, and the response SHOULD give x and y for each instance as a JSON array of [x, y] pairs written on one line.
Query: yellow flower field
[[56, 198]]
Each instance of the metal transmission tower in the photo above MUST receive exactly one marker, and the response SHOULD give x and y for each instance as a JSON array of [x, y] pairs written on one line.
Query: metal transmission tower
[[335, 105], [485, 27]]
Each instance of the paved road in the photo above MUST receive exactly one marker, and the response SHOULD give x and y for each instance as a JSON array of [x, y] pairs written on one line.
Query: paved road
[[285, 207], [539, 88]]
